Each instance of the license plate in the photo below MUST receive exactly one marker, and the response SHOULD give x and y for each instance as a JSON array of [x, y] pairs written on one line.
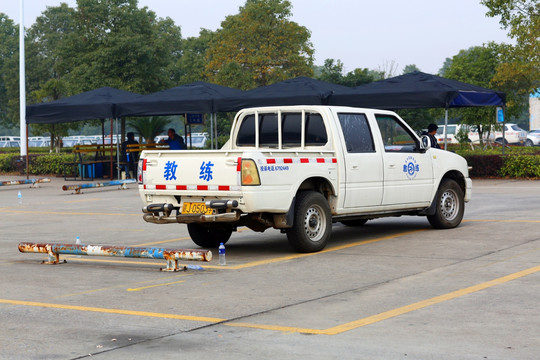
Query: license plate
[[196, 208]]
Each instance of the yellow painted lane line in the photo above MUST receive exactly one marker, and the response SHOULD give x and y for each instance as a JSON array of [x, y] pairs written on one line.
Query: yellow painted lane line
[[156, 285], [432, 301], [164, 241], [502, 220], [330, 331], [112, 311], [328, 250], [121, 286], [38, 212]]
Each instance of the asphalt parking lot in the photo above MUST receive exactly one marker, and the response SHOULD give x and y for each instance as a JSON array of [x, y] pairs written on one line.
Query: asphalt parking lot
[[392, 289]]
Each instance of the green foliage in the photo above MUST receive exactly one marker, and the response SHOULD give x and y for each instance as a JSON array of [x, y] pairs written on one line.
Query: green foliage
[[119, 45], [521, 67], [190, 66], [462, 136], [521, 166], [9, 71], [333, 73], [150, 127], [259, 46], [6, 163], [48, 164]]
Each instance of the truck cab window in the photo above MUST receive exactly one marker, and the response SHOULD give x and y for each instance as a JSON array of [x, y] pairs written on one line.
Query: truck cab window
[[315, 130], [291, 127], [246, 133], [395, 136], [268, 130], [357, 133]]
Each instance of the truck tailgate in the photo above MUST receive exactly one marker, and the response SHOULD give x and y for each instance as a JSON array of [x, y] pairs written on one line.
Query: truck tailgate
[[211, 170]]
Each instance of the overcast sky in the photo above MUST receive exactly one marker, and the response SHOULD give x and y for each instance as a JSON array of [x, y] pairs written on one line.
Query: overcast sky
[[361, 33]]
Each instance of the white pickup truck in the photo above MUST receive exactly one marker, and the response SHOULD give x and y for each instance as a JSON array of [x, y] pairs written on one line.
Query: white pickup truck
[[301, 168]]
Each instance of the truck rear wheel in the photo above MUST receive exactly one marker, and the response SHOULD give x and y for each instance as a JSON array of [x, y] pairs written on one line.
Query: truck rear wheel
[[312, 225], [209, 236], [449, 207]]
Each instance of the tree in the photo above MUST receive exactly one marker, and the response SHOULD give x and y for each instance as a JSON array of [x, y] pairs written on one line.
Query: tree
[[521, 66], [332, 71], [259, 46], [45, 82], [190, 66], [9, 53], [119, 45], [410, 69]]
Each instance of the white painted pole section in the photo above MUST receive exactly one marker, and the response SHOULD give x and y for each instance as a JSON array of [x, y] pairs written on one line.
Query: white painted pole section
[[22, 85]]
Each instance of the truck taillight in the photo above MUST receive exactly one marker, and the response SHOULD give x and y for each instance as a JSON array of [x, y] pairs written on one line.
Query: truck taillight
[[141, 168], [250, 174]]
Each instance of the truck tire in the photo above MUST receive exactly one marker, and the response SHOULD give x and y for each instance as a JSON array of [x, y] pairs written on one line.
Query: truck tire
[[312, 226], [449, 207], [209, 236]]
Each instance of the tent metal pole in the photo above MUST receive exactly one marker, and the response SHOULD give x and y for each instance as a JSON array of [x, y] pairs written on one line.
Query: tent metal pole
[[117, 151], [111, 156], [445, 127], [215, 131], [212, 131]]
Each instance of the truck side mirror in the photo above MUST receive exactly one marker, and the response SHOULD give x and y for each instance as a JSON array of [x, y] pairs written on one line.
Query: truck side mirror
[[425, 143]]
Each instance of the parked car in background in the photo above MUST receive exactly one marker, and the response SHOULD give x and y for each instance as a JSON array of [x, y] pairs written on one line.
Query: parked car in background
[[10, 138], [533, 138], [451, 131], [513, 134], [8, 143], [39, 143], [198, 140]]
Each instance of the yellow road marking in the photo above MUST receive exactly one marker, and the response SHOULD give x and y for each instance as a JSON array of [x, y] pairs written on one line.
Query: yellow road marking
[[432, 301], [163, 241], [502, 220], [81, 200], [112, 311], [153, 286], [119, 286], [65, 213], [329, 331], [331, 249]]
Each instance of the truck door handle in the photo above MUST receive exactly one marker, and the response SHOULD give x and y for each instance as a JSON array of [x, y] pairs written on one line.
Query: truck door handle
[[391, 166]]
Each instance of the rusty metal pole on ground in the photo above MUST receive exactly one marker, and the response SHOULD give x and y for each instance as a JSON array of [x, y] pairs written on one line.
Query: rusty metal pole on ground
[[23, 182], [170, 255], [78, 187]]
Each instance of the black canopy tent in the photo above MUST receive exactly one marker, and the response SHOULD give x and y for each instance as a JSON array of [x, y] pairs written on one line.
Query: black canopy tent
[[419, 90], [196, 97], [298, 91], [95, 104]]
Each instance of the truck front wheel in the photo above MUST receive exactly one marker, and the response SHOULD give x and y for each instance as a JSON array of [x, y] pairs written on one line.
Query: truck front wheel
[[312, 225], [449, 206], [209, 236]]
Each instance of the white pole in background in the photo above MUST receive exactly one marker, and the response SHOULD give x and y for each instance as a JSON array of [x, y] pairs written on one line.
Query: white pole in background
[[22, 85]]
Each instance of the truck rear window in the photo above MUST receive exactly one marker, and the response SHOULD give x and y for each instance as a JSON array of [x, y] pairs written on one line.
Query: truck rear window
[[291, 128]]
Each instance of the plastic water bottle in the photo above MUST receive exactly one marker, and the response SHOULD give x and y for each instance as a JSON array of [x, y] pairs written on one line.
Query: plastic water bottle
[[222, 260], [19, 198], [78, 242], [195, 267]]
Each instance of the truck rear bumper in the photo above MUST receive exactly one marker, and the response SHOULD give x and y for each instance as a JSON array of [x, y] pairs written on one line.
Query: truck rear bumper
[[192, 218]]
